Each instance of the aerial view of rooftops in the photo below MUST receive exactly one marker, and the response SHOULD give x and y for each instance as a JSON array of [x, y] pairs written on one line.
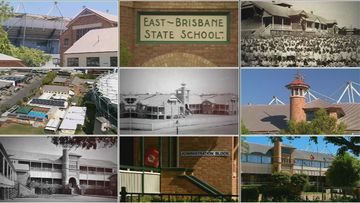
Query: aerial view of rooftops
[[179, 101], [300, 34], [300, 101], [63, 102], [59, 33]]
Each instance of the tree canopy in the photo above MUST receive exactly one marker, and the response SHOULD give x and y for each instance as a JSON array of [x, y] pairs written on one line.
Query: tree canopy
[[84, 142], [31, 57], [344, 171], [322, 124]]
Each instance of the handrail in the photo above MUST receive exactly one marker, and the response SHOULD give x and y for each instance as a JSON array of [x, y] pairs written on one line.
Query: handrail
[[139, 168], [203, 185]]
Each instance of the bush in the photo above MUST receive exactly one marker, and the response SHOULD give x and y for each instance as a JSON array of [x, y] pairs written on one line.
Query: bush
[[249, 194], [31, 57]]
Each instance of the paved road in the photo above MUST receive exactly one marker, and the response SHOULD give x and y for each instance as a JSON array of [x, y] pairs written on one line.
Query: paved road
[[18, 96], [190, 130], [65, 198]]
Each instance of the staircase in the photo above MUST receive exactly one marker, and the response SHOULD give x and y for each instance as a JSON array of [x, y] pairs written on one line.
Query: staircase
[[263, 31], [208, 188]]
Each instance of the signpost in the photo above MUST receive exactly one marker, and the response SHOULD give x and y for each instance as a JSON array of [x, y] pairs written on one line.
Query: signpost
[[183, 27]]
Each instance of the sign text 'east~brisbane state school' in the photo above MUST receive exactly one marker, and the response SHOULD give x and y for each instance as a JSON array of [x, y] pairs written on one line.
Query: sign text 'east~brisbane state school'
[[158, 27]]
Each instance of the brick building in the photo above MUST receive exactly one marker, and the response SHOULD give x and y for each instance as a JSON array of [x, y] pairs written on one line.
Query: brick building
[[86, 20], [182, 165], [271, 119], [259, 161], [174, 53]]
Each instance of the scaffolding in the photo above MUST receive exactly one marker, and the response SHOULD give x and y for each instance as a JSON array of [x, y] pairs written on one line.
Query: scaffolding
[[36, 31]]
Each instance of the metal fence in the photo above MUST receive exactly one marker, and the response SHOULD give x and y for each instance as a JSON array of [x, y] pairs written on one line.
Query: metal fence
[[174, 197]]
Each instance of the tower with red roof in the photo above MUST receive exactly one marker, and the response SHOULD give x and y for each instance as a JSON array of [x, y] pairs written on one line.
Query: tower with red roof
[[297, 99]]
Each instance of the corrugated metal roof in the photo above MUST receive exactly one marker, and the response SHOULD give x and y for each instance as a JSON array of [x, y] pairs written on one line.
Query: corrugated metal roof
[[96, 41], [158, 99], [33, 156], [254, 148], [108, 16], [55, 88], [4, 57], [272, 118]]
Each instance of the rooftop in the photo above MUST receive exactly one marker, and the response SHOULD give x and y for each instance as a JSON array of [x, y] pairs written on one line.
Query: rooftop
[[4, 57], [55, 88], [254, 148], [272, 118], [74, 116], [49, 158], [96, 41]]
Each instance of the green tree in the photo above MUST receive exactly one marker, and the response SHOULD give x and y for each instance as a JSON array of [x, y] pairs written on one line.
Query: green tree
[[6, 11], [244, 130], [125, 54], [50, 76], [344, 171], [299, 182], [84, 142], [321, 124], [31, 57]]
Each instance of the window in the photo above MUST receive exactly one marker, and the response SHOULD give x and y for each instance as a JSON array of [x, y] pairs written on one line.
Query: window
[[254, 159], [66, 42], [82, 32], [243, 158], [113, 61], [1, 163], [93, 61], [74, 62], [266, 160], [310, 115], [298, 162], [83, 182]]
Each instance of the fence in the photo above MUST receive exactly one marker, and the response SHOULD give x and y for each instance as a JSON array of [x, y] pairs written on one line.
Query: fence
[[173, 197]]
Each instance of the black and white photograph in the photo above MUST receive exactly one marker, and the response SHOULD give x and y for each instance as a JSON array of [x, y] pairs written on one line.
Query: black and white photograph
[[300, 34], [58, 169], [179, 101]]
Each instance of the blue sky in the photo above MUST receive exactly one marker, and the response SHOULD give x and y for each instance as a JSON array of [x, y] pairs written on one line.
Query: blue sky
[[259, 86], [301, 143], [68, 8]]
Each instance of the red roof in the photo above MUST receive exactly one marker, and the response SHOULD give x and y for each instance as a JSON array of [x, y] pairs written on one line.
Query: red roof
[[298, 82]]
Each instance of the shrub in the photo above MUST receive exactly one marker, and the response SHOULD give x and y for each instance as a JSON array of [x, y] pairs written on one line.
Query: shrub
[[249, 194]]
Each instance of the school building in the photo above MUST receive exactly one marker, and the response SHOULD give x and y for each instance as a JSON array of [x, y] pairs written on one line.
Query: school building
[[173, 34], [177, 105], [270, 18], [270, 119], [90, 28], [179, 165], [29, 173], [259, 161]]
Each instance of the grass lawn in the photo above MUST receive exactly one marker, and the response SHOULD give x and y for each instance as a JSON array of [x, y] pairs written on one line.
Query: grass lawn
[[20, 129]]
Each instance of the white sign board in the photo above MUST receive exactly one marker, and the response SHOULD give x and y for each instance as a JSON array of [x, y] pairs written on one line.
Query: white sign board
[[183, 28]]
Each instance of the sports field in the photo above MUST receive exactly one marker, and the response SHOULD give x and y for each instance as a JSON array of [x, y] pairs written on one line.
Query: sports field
[[20, 129]]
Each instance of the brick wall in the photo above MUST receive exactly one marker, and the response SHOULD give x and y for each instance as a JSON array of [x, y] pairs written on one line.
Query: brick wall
[[219, 172], [216, 171], [70, 34], [207, 54], [172, 182]]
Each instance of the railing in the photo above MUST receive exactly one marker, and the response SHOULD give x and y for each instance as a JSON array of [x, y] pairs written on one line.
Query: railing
[[172, 197]]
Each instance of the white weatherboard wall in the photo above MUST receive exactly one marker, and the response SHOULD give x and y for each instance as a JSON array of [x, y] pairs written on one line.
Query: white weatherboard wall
[[132, 181], [104, 58]]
